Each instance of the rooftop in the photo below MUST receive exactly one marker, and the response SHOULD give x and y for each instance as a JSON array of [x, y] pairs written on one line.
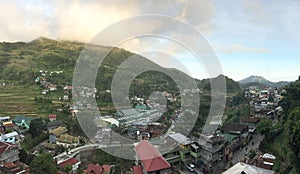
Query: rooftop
[[71, 161], [151, 158], [180, 138], [246, 168]]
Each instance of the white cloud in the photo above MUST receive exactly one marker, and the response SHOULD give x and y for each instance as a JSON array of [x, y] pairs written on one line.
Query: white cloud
[[239, 48]]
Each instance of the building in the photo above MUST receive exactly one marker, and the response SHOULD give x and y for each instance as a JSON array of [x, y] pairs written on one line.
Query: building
[[22, 121], [150, 158], [8, 153], [97, 169], [212, 149], [12, 137], [15, 168], [137, 170], [187, 149], [232, 143], [236, 129], [243, 168], [4, 119], [52, 117], [71, 161], [56, 133], [67, 140], [251, 122]]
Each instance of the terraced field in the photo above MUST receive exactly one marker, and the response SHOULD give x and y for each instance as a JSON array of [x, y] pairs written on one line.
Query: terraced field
[[19, 100]]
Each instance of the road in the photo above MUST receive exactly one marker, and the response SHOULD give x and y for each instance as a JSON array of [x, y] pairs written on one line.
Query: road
[[241, 154]]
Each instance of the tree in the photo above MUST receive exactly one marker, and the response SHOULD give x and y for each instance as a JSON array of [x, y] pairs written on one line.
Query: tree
[[68, 168], [264, 127], [36, 127], [292, 129], [43, 163]]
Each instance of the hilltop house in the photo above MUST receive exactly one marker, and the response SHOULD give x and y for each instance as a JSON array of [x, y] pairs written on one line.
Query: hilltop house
[[8, 153]]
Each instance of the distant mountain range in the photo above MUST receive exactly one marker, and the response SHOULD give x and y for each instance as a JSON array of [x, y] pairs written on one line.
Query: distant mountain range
[[261, 81]]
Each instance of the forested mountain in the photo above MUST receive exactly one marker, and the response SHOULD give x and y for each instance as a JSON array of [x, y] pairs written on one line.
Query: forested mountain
[[283, 138]]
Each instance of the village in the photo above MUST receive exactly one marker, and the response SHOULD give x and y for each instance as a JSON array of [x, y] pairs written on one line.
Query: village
[[219, 149]]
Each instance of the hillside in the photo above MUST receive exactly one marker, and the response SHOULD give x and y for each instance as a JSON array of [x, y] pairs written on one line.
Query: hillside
[[283, 138], [260, 81], [20, 63]]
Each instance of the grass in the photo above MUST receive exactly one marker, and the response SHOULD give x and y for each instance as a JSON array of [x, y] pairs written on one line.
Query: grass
[[19, 100], [16, 100]]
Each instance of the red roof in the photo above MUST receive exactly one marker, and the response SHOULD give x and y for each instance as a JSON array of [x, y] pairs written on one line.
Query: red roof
[[150, 157], [52, 116], [9, 165], [137, 170], [4, 146], [71, 161], [9, 125], [95, 169], [106, 168]]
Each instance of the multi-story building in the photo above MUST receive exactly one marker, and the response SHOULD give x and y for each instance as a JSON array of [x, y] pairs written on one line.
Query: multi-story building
[[8, 153], [212, 149]]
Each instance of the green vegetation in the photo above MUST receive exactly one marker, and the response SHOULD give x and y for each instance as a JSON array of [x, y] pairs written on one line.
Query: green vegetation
[[36, 127], [43, 163], [283, 138]]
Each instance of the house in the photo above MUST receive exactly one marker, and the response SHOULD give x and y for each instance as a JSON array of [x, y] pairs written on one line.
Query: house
[[237, 129], [52, 117], [10, 137], [22, 121], [150, 158], [71, 161], [137, 169], [54, 124], [8, 153], [15, 168], [251, 122], [265, 161], [244, 168], [232, 143], [67, 140], [8, 126], [187, 148], [56, 133], [4, 119], [97, 169]]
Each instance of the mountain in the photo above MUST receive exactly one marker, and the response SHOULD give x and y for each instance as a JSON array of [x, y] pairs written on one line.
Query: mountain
[[261, 81], [231, 85]]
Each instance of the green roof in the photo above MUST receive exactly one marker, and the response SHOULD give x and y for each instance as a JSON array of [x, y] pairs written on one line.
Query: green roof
[[229, 137]]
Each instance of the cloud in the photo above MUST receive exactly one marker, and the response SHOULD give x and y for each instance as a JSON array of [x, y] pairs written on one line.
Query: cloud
[[238, 48], [81, 20]]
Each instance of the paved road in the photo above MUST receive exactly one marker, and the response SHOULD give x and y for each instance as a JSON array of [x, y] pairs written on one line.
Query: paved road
[[241, 154]]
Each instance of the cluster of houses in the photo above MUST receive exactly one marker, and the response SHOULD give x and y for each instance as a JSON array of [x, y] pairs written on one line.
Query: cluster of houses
[[264, 101], [12, 130]]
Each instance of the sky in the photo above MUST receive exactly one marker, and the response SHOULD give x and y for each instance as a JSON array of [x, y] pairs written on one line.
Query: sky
[[248, 37]]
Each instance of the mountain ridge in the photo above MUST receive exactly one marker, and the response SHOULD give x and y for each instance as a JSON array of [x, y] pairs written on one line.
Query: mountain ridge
[[261, 80]]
